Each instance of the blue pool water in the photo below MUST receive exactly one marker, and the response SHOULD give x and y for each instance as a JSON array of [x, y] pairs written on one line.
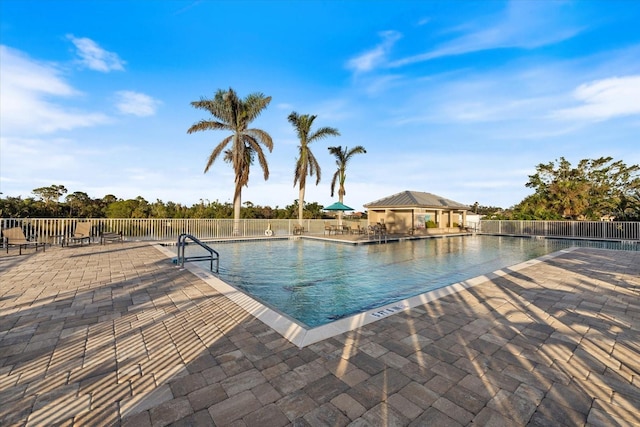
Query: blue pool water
[[317, 282]]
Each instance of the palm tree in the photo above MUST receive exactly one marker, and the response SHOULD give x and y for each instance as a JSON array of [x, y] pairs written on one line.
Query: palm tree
[[234, 114], [342, 158], [306, 163]]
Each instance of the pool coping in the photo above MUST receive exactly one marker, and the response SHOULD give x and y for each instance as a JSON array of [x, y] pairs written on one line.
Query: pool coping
[[302, 336]]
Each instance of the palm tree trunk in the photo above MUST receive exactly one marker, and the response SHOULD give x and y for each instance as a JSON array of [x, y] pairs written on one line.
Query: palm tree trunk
[[237, 203], [341, 200], [301, 205]]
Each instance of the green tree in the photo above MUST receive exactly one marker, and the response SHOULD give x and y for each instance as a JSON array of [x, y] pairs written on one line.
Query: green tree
[[314, 210], [629, 208], [306, 163], [235, 115], [339, 177], [51, 193], [590, 190], [50, 196], [132, 208], [141, 209], [79, 204], [109, 198], [120, 209], [16, 207], [159, 210]]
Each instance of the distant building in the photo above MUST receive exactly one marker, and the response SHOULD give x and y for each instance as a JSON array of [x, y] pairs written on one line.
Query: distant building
[[413, 211]]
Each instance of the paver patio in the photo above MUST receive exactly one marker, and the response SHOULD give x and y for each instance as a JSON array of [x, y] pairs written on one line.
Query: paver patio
[[117, 335]]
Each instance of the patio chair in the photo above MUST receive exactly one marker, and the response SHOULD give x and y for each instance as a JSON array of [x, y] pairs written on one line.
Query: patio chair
[[357, 230], [343, 229], [81, 233], [15, 237], [110, 237], [328, 228]]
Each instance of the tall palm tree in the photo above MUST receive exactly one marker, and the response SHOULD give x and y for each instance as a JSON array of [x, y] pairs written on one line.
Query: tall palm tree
[[342, 158], [234, 114], [306, 163]]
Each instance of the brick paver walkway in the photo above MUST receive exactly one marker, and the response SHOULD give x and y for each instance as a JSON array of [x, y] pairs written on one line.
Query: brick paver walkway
[[116, 335]]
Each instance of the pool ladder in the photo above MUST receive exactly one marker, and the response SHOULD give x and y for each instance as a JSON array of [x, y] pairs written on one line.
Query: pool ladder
[[182, 242], [378, 232]]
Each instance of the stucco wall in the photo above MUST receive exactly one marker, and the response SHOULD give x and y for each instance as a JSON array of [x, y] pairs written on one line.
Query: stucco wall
[[403, 220]]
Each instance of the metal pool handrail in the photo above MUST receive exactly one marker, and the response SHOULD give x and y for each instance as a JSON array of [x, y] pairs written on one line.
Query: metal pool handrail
[[182, 242]]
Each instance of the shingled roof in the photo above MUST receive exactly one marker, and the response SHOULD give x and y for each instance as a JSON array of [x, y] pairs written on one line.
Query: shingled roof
[[408, 199]]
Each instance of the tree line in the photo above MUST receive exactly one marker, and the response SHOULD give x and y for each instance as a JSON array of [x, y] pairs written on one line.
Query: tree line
[[47, 204], [591, 190]]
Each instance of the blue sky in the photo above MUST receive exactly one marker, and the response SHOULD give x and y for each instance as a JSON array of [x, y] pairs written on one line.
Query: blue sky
[[457, 98]]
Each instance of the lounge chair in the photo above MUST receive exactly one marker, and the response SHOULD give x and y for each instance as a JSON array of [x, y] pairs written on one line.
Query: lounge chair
[[81, 233], [298, 229], [110, 237], [15, 237]]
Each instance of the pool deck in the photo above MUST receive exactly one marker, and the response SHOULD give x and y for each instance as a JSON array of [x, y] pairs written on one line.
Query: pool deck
[[117, 335]]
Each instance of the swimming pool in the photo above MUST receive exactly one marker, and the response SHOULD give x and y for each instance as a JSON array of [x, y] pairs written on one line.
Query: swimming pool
[[317, 282]]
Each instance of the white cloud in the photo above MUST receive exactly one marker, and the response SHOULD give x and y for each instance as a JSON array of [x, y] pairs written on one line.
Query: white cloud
[[525, 25], [508, 95], [94, 57], [376, 56], [27, 88], [28, 163], [604, 99], [135, 103], [380, 84]]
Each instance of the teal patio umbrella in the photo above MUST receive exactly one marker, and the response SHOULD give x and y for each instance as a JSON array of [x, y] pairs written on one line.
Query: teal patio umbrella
[[338, 207]]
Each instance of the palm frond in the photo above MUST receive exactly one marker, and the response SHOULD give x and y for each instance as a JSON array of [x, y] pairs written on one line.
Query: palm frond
[[207, 125], [216, 152], [263, 163], [323, 133], [314, 167], [262, 137], [333, 182], [255, 104], [300, 172], [358, 149]]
